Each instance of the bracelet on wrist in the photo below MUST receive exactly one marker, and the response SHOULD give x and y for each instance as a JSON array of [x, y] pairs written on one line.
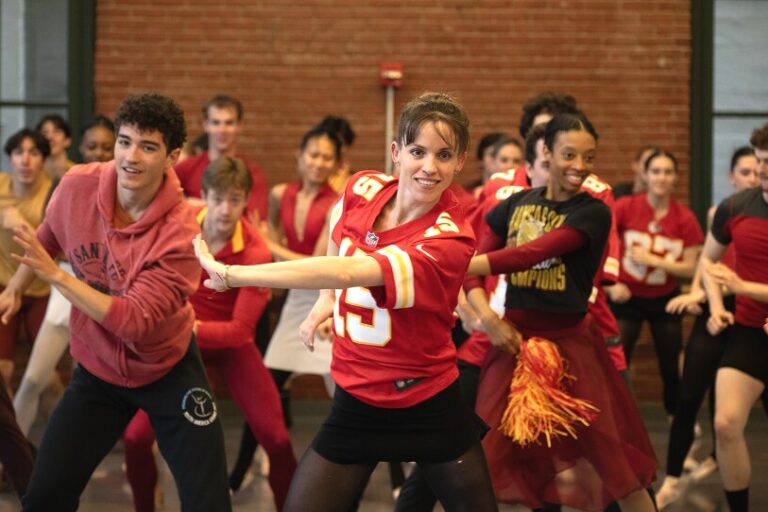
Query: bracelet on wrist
[[226, 277]]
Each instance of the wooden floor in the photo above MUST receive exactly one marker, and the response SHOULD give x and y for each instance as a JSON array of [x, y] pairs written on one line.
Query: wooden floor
[[108, 491]]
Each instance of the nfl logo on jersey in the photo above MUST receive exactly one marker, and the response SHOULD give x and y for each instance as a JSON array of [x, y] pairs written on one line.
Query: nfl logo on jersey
[[371, 239]]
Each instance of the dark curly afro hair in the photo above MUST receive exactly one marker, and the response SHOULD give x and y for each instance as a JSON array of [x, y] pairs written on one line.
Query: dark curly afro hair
[[150, 112]]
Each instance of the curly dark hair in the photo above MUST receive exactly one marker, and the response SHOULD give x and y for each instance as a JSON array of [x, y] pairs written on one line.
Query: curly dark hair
[[149, 112], [759, 138], [552, 103]]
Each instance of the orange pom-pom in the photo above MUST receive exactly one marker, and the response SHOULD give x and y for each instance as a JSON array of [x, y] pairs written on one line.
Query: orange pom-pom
[[538, 402]]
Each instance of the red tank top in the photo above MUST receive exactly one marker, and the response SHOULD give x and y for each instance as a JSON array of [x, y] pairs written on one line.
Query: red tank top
[[315, 221]]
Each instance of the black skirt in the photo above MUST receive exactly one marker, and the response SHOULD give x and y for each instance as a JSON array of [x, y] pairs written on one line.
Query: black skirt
[[439, 429]]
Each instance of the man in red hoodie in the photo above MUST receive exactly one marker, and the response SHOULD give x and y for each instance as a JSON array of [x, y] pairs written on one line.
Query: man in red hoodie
[[125, 228], [224, 331]]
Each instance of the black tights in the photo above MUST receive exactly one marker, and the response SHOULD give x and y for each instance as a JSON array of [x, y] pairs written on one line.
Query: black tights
[[667, 333], [320, 485], [702, 358], [416, 494]]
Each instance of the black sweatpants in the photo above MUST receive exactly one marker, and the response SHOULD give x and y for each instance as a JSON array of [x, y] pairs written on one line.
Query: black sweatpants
[[92, 416]]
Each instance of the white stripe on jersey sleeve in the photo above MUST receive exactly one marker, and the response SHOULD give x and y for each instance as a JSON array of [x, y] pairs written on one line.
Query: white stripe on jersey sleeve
[[336, 212], [611, 267], [402, 271]]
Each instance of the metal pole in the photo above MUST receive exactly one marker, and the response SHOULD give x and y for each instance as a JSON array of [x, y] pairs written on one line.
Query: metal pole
[[389, 130]]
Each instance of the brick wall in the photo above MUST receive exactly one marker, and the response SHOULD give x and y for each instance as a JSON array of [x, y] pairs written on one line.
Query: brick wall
[[291, 63]]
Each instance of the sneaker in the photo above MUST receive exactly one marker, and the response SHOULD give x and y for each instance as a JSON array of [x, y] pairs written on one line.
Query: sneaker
[[670, 491], [703, 470]]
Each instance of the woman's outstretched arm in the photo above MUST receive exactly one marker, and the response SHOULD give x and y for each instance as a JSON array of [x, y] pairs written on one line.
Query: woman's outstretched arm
[[322, 272]]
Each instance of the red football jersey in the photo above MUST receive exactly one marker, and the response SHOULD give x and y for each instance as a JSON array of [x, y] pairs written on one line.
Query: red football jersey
[[392, 345], [601, 190], [667, 237], [517, 177], [609, 273]]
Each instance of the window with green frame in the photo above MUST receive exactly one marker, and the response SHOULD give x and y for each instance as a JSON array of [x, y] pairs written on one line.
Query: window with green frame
[[729, 94], [46, 64]]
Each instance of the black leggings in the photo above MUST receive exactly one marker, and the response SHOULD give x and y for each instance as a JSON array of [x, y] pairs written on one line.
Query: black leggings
[[667, 334], [702, 358]]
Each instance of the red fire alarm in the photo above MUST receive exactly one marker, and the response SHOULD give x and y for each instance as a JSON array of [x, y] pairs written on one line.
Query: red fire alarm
[[391, 74]]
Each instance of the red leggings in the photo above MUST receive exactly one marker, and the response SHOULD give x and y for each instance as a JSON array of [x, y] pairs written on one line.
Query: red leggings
[[31, 315], [254, 391]]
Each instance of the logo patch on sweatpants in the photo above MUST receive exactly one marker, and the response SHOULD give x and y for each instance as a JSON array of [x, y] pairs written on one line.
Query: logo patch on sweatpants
[[199, 407]]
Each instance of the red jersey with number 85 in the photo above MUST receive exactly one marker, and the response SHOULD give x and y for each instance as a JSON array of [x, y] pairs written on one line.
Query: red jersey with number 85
[[392, 346], [667, 237]]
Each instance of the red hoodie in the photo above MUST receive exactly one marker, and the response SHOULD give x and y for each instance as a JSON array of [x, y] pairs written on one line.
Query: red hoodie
[[148, 267]]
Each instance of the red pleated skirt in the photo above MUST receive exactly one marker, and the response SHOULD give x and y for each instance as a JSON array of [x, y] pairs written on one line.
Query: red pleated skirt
[[610, 459]]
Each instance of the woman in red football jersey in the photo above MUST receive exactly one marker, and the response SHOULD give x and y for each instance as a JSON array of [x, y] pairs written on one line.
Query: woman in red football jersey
[[396, 260]]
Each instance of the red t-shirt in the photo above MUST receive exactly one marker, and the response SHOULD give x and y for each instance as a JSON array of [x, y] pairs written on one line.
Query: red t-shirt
[[392, 346], [742, 221]]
